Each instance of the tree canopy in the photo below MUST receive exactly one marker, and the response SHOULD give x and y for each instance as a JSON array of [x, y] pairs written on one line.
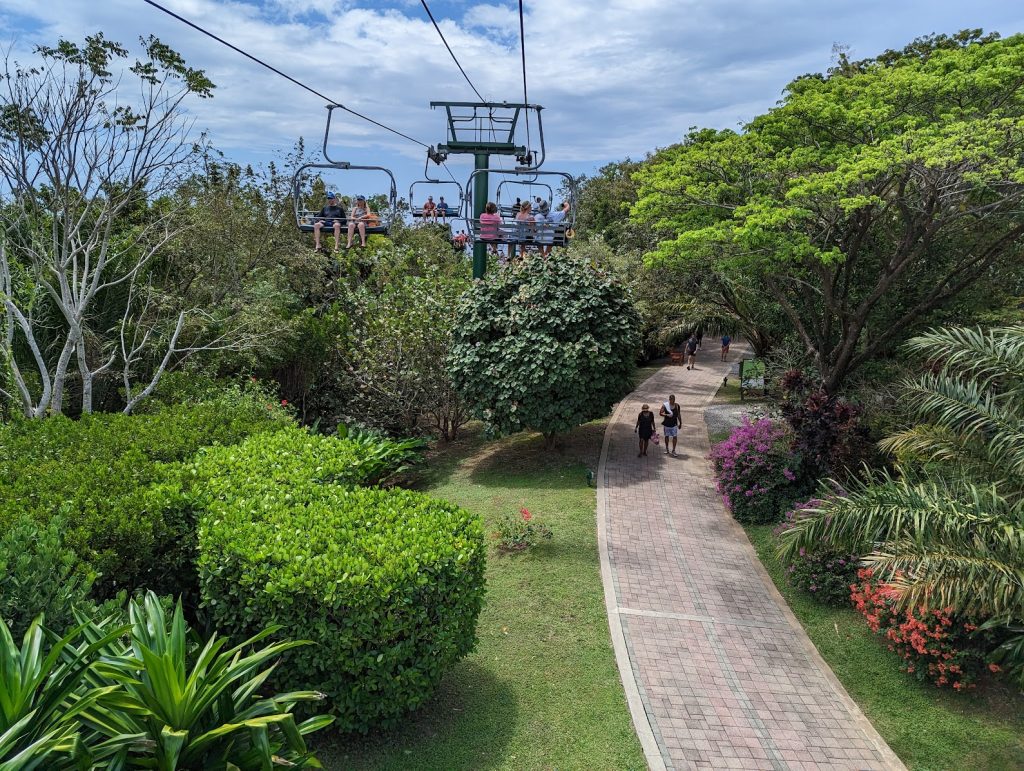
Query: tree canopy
[[871, 196]]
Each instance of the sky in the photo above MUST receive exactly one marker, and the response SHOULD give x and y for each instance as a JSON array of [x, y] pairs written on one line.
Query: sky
[[616, 78]]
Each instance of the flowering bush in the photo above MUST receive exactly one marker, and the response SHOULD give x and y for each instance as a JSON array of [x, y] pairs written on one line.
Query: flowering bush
[[823, 572], [519, 532], [756, 472], [934, 644]]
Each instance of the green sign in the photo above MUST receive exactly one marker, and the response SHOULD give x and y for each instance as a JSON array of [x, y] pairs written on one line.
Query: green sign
[[751, 375]]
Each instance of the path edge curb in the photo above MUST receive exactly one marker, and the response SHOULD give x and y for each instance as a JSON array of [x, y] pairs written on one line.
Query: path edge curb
[[641, 720]]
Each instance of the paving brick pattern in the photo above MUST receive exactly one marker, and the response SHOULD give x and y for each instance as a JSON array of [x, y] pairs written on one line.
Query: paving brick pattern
[[726, 678]]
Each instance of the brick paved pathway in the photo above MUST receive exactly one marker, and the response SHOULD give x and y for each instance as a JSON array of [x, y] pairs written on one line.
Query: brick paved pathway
[[717, 671]]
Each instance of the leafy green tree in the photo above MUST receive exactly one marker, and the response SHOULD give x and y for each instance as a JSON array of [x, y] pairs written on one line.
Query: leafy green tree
[[948, 530], [83, 167], [870, 197], [545, 345], [400, 341]]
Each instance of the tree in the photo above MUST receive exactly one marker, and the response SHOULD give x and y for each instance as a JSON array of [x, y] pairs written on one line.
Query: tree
[[948, 530], [88, 176], [872, 196], [400, 341], [545, 345]]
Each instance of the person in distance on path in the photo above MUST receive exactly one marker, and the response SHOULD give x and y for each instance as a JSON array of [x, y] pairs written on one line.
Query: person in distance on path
[[691, 352], [671, 419], [644, 428], [726, 341]]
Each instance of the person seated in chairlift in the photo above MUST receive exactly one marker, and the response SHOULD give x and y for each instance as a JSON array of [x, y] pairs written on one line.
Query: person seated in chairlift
[[442, 209], [430, 209], [525, 222], [545, 230], [361, 218], [332, 215], [490, 226]]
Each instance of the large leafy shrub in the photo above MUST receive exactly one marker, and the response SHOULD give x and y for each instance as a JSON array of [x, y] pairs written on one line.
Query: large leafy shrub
[[946, 529], [756, 471], [387, 583], [827, 432], [544, 344], [99, 474]]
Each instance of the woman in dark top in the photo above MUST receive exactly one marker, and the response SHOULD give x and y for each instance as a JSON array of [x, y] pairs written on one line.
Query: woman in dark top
[[645, 428]]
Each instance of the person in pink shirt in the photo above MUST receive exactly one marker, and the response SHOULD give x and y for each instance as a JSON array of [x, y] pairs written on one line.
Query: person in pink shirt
[[490, 226]]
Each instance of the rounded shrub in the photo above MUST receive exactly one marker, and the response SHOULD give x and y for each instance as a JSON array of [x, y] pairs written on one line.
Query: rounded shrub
[[756, 471], [544, 345], [388, 585]]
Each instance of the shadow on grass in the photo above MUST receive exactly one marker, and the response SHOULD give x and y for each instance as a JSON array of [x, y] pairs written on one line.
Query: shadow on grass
[[464, 726]]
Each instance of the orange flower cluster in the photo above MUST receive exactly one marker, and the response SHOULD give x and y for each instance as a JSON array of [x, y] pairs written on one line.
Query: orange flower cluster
[[933, 644]]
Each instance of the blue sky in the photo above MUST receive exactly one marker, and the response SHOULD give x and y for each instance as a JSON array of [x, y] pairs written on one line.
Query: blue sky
[[617, 78]]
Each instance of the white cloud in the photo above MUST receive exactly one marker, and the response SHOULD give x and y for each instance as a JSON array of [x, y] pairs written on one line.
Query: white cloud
[[617, 77]]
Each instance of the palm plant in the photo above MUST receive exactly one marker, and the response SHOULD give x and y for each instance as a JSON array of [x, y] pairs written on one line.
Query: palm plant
[[948, 529], [173, 710]]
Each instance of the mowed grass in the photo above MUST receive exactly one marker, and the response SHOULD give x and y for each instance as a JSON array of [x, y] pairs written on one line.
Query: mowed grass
[[541, 691], [927, 727]]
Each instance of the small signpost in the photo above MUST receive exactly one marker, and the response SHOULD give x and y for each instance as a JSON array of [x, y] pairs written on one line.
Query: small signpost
[[752, 376]]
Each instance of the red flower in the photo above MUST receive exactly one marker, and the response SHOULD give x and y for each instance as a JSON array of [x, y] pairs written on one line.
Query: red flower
[[527, 516], [995, 668], [284, 402]]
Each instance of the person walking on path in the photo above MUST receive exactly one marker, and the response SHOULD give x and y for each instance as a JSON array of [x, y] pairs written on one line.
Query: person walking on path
[[672, 417], [700, 337], [691, 352], [726, 341], [644, 428]]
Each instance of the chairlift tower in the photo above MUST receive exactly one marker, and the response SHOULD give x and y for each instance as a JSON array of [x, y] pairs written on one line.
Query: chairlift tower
[[483, 129]]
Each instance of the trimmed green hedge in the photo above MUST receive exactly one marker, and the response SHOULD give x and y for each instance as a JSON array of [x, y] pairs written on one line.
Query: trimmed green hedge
[[110, 478], [388, 583]]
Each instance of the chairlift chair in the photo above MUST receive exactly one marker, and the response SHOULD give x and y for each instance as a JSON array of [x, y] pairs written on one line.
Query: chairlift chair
[[454, 209], [515, 233], [509, 209], [305, 217]]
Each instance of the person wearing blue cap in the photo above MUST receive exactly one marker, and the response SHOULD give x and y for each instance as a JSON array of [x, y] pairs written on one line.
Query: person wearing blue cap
[[332, 216]]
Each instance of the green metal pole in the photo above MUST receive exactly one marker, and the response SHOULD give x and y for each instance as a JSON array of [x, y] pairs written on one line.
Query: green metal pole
[[481, 188]]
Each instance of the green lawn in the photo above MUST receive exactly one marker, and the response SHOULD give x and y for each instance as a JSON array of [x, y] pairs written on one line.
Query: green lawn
[[541, 690], [926, 727]]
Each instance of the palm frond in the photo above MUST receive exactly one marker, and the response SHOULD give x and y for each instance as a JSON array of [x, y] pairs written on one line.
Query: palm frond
[[985, 355], [965, 408]]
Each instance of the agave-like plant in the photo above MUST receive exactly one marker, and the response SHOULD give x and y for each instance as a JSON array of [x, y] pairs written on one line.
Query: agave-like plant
[[948, 529], [176, 708], [44, 688]]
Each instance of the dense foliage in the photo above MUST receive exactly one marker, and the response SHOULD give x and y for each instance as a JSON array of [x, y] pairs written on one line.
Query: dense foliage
[[946, 530], [143, 695], [870, 197], [823, 573], [103, 475], [39, 575], [828, 436], [387, 583], [756, 471], [545, 345], [934, 644]]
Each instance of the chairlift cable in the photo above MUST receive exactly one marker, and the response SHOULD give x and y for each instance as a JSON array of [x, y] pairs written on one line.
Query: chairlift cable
[[522, 48], [284, 75], [450, 51]]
